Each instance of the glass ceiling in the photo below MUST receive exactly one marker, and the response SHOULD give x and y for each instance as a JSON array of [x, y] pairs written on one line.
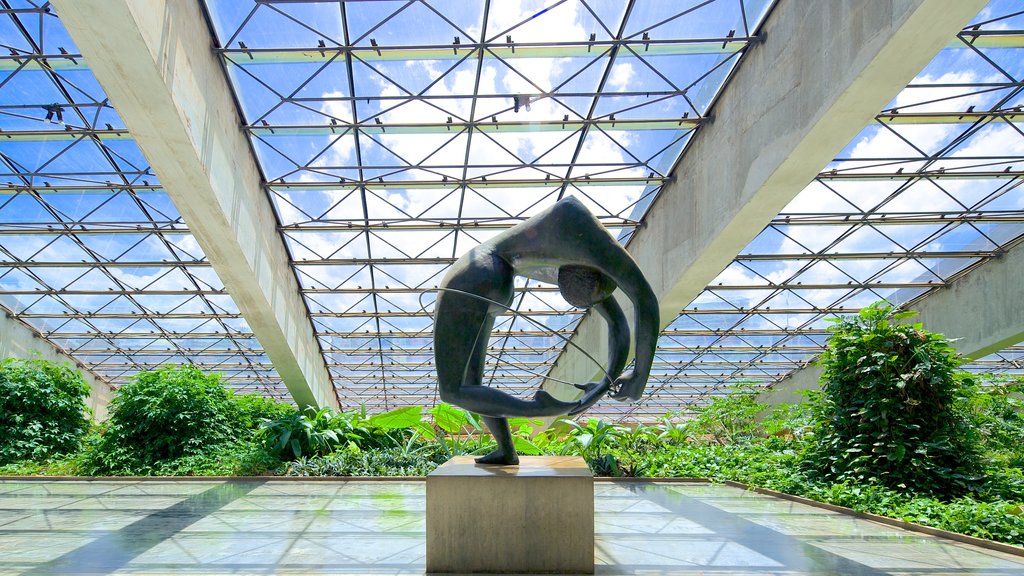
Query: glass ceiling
[[93, 254], [395, 135], [926, 192]]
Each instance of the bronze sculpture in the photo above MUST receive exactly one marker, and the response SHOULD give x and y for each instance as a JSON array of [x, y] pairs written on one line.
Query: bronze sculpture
[[564, 245]]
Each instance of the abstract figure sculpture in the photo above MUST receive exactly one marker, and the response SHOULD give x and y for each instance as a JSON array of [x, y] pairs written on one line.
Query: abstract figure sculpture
[[563, 245]]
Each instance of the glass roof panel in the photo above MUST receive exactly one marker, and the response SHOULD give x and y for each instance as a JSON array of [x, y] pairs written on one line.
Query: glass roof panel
[[93, 254], [396, 136], [928, 190]]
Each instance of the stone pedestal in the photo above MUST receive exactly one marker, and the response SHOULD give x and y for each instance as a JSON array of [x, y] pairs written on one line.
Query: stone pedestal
[[537, 517]]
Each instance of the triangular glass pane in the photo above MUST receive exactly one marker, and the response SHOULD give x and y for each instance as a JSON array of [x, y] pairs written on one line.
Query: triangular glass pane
[[907, 236], [973, 193], [469, 238], [150, 249], [1009, 59], [960, 238], [689, 19], [1001, 233], [121, 305], [88, 302], [817, 198], [346, 205], [822, 298], [995, 139], [412, 244], [121, 208], [300, 205], [946, 267], [327, 82], [865, 239], [23, 246], [540, 22], [57, 277], [413, 276], [75, 207], [15, 279], [823, 272], [435, 204], [908, 271], [257, 85], [812, 238], [864, 195], [30, 85], [862, 270], [786, 300], [278, 25], [167, 303], [63, 249], [922, 194], [21, 208], [310, 245], [521, 202], [397, 24]]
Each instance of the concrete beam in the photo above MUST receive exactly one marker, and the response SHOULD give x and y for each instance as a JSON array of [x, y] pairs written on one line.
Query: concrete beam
[[20, 341], [822, 73], [980, 311], [155, 63]]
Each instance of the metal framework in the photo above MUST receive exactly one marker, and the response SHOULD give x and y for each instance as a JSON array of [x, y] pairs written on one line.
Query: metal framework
[[93, 255], [926, 193], [395, 135]]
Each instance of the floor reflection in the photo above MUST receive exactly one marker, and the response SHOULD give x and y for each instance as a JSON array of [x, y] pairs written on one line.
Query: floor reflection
[[340, 527]]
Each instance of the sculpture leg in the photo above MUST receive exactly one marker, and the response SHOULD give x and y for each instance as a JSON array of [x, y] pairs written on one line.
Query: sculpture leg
[[506, 452]]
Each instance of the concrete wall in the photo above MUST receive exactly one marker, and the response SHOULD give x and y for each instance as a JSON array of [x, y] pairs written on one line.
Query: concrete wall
[[20, 341], [154, 61]]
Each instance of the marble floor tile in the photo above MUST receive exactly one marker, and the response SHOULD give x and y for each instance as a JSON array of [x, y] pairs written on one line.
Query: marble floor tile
[[359, 527]]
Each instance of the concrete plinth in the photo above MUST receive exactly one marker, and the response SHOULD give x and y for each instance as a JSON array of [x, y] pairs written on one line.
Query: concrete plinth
[[537, 517]]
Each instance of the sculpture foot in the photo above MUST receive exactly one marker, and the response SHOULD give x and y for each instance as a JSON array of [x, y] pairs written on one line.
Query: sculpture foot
[[499, 457]]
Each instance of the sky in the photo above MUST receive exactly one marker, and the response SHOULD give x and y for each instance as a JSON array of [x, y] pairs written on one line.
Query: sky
[[414, 94]]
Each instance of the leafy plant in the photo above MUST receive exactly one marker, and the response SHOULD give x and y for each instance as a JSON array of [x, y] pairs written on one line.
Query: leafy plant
[[163, 415], [892, 409], [998, 412], [42, 409], [252, 410], [729, 418], [383, 462], [593, 441], [311, 433]]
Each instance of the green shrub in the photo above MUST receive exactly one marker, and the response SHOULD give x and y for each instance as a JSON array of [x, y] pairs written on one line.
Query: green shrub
[[998, 412], [730, 418], [241, 458], [381, 462], [42, 409], [320, 432], [892, 409], [254, 410], [163, 415]]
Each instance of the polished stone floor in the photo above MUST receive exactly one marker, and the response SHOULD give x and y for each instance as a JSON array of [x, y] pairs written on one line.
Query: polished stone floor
[[337, 527]]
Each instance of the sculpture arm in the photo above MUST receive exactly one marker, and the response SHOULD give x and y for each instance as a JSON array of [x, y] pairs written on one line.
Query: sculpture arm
[[618, 345], [613, 261], [646, 326]]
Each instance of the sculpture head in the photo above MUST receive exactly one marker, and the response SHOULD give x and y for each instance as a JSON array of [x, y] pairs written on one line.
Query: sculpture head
[[583, 286]]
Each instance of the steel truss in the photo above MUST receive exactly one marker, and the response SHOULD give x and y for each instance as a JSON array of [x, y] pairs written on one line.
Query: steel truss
[[92, 249], [389, 149]]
